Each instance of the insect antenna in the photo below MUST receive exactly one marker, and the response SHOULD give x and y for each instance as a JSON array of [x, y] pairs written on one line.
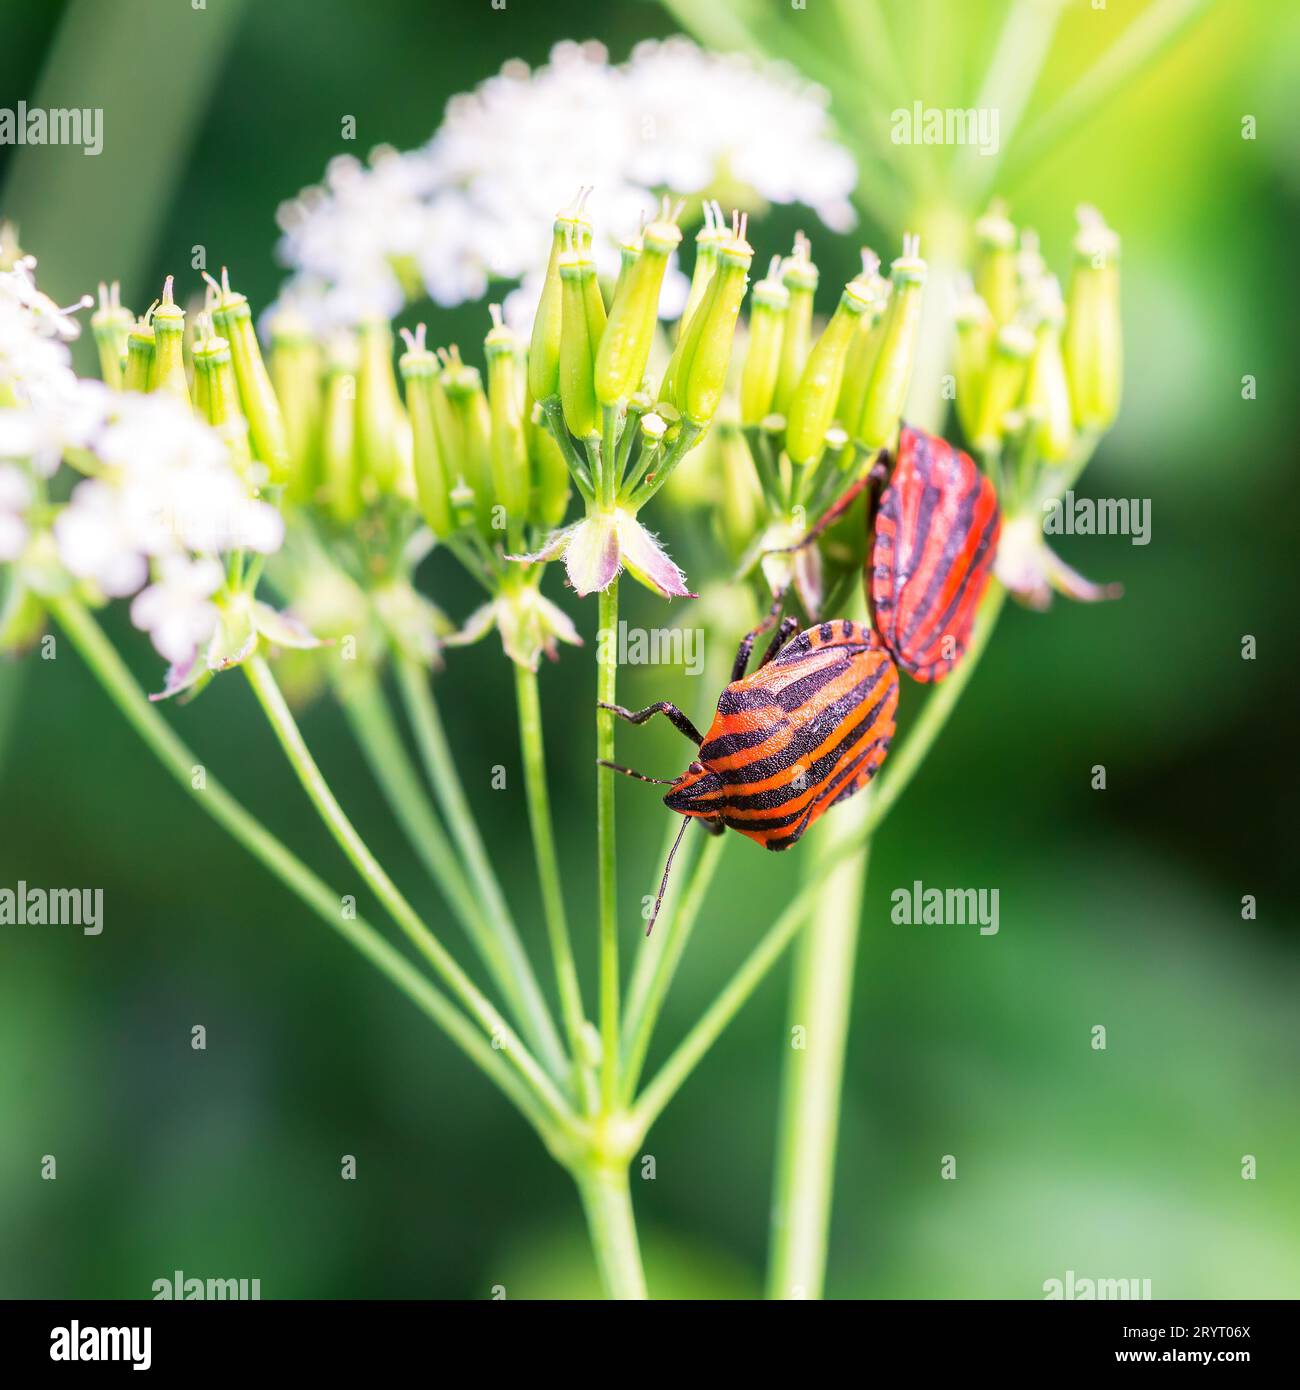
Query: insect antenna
[[663, 882], [640, 776]]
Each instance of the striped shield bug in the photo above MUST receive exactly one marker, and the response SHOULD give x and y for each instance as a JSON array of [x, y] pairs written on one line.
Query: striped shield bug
[[806, 729], [934, 536]]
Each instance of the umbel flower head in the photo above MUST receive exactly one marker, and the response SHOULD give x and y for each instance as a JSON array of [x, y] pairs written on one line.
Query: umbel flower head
[[1038, 382], [818, 403], [473, 205], [169, 506], [597, 406]]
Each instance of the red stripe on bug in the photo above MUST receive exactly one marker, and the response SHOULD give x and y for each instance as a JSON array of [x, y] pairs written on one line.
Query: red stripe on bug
[[936, 535]]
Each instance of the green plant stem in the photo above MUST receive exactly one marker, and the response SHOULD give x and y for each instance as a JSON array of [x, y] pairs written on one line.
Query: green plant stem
[[645, 1000], [650, 948], [548, 876], [109, 669], [376, 877], [820, 1001], [607, 1200], [606, 861], [431, 739], [362, 698], [609, 478], [821, 997], [898, 771]]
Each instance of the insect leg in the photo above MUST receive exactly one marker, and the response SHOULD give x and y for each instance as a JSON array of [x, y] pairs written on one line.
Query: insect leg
[[669, 711], [640, 776], [872, 478], [789, 626], [747, 641]]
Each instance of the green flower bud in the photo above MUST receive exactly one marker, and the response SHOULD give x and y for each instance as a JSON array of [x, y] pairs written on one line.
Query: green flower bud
[[296, 376], [510, 472], [234, 320], [382, 429], [466, 437], [216, 391], [1004, 384], [339, 463], [629, 250], [10, 251], [140, 347], [975, 332], [464, 504], [111, 323], [799, 275], [865, 346], [768, 305], [1031, 269], [549, 495], [420, 369], [740, 516], [571, 228], [702, 371], [707, 241], [624, 346], [1093, 344], [1047, 391], [891, 373], [583, 322], [169, 344], [812, 407], [995, 262]]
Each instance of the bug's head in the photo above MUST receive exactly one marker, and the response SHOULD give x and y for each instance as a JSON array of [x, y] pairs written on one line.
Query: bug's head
[[696, 792]]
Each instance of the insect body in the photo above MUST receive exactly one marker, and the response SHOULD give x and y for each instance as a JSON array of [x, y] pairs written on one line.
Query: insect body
[[936, 534], [808, 728], [934, 538]]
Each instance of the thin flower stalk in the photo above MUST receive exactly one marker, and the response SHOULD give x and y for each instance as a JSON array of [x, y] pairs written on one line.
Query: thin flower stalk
[[440, 767], [646, 1003], [178, 760], [318, 791], [606, 857], [533, 750], [372, 724]]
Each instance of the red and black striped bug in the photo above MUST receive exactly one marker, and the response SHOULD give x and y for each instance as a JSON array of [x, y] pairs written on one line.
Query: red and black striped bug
[[935, 537], [806, 729]]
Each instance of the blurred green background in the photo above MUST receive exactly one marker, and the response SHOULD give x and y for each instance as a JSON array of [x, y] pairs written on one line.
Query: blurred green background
[[1120, 907]]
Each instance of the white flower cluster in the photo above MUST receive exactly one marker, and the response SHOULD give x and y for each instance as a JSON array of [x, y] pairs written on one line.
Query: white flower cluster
[[167, 488], [163, 498], [477, 202], [43, 407]]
